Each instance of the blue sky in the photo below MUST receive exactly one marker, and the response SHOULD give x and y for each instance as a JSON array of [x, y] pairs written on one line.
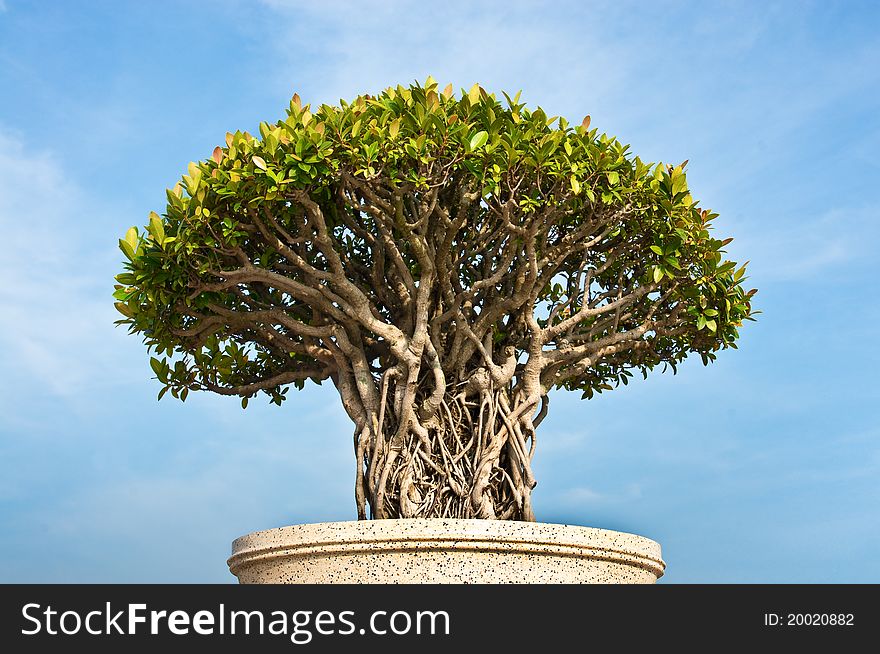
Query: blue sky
[[764, 467]]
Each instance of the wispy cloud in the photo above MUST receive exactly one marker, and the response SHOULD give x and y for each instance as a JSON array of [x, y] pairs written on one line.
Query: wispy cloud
[[734, 89], [363, 47], [774, 105], [56, 323], [802, 247], [585, 496], [193, 476]]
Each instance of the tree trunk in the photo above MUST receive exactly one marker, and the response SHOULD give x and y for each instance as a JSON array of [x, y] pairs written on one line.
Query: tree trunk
[[465, 454]]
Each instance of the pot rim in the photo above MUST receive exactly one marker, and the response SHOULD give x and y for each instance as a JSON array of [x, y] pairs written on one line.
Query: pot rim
[[374, 537]]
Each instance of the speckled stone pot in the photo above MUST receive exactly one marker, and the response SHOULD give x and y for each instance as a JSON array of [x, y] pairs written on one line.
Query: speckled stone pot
[[443, 551]]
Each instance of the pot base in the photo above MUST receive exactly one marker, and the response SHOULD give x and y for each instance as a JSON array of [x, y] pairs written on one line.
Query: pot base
[[440, 550]]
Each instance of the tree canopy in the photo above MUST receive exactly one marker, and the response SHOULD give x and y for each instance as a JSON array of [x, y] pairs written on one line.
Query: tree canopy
[[433, 243]]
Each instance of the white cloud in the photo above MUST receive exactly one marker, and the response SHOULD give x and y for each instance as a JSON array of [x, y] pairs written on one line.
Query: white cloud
[[735, 116], [581, 496], [739, 133], [56, 323], [803, 247], [174, 507], [364, 47]]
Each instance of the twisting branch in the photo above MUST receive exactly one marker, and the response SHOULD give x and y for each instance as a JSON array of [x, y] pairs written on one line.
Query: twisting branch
[[447, 262]]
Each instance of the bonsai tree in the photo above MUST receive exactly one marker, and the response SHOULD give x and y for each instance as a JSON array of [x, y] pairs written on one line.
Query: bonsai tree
[[445, 260]]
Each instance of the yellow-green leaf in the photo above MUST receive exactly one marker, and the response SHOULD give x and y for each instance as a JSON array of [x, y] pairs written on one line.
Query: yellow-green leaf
[[679, 182], [131, 237], [122, 308], [479, 139], [157, 229], [259, 162], [126, 249], [474, 94]]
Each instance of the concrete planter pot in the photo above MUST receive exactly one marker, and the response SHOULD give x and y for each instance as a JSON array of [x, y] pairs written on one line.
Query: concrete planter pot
[[443, 551]]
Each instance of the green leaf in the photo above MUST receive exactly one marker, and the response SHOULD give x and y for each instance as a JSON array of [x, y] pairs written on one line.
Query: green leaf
[[679, 183], [126, 248], [474, 94], [672, 262], [131, 237], [122, 308], [479, 139], [156, 365], [157, 229], [409, 142], [130, 245]]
